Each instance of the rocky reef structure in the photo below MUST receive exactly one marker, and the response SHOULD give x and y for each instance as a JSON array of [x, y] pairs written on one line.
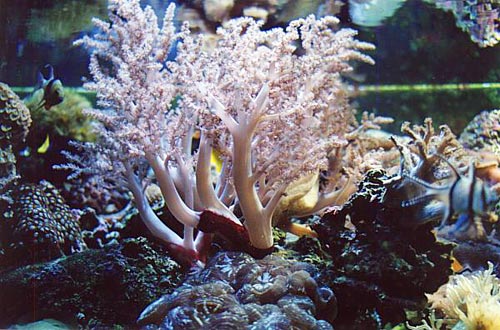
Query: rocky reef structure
[[385, 235], [467, 213], [95, 289], [15, 120], [481, 141], [383, 262], [237, 291]]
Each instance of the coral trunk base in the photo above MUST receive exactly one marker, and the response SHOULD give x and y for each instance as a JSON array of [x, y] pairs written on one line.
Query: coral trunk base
[[234, 234]]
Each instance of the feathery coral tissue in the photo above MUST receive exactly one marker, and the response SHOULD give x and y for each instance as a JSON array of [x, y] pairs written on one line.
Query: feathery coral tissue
[[271, 104]]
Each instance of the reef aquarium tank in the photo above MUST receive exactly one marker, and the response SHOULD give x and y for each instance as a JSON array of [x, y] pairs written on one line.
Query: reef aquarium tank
[[265, 164]]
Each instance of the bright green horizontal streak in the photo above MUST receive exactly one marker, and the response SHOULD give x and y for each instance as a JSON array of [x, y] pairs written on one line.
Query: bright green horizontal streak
[[358, 88], [28, 90], [424, 87]]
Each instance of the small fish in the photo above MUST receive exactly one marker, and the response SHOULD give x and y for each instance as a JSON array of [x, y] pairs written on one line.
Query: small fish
[[44, 146], [215, 157], [215, 160], [456, 266], [53, 91], [466, 196]]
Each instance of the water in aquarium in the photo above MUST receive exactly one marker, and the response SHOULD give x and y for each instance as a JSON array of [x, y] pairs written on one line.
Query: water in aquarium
[[265, 164]]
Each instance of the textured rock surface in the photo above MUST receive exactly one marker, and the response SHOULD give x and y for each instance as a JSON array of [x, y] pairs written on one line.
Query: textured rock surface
[[97, 288], [381, 263]]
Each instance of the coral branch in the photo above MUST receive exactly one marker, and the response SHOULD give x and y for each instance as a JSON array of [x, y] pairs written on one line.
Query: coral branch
[[270, 104]]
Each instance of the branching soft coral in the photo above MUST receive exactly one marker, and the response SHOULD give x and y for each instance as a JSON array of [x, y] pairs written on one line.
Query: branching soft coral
[[428, 148], [270, 103], [439, 179]]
